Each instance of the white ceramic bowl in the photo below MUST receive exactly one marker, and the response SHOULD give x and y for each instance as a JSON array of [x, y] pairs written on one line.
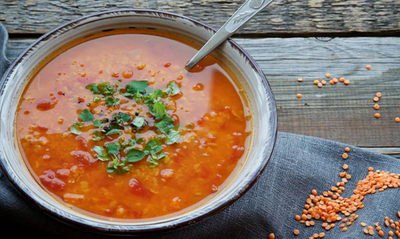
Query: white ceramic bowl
[[249, 74]]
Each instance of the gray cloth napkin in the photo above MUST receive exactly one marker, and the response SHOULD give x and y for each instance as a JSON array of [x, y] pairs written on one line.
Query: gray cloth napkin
[[298, 165]]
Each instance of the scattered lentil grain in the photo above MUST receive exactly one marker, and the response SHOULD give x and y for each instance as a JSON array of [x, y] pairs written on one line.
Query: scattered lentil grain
[[296, 232], [345, 155], [368, 67], [346, 82], [323, 82], [271, 236], [299, 96], [345, 166], [376, 99], [377, 115], [300, 79], [342, 79], [376, 106], [347, 149], [363, 224], [397, 119]]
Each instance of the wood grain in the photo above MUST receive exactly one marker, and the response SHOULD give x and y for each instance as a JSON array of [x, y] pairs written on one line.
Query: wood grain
[[281, 18], [336, 112]]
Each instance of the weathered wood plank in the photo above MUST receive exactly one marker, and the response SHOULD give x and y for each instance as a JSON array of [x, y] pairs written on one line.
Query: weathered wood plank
[[282, 17], [336, 112]]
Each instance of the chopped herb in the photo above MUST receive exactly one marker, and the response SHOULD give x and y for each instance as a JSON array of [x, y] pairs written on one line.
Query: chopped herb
[[152, 147], [76, 128], [138, 122], [165, 124], [119, 166], [86, 116], [155, 159], [153, 97], [135, 155], [110, 101], [97, 136], [114, 131], [101, 153], [96, 98], [112, 148], [158, 110], [137, 86], [97, 123], [173, 137], [172, 89]]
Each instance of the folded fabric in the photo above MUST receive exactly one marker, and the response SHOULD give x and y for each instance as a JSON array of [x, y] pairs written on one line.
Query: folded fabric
[[299, 164]]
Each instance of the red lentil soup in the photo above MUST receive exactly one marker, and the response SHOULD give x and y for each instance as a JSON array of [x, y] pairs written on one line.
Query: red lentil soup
[[114, 126]]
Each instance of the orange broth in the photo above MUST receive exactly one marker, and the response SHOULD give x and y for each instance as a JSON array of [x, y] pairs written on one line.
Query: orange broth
[[210, 112]]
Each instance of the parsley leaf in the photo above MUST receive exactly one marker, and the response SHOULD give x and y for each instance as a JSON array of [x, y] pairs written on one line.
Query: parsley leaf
[[113, 131], [137, 86], [101, 153], [152, 147], [138, 122], [112, 148], [155, 159], [172, 89], [110, 101], [76, 128], [173, 137], [158, 110], [134, 155], [97, 136], [165, 124], [97, 123], [86, 116]]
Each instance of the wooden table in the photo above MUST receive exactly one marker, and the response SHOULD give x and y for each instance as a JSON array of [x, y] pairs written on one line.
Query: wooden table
[[290, 39]]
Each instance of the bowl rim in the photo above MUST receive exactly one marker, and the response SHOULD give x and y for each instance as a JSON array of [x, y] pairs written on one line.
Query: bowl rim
[[161, 14]]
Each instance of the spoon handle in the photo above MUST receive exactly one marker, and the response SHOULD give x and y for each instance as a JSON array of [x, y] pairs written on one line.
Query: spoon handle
[[247, 11]]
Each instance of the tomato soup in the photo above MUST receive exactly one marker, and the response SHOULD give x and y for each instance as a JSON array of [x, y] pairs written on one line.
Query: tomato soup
[[114, 126]]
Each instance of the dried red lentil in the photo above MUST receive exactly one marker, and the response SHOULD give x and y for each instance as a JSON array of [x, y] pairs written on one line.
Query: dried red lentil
[[342, 79], [346, 82], [271, 236], [300, 80], [328, 75], [345, 155], [299, 96], [368, 67], [378, 94], [296, 232], [377, 115], [397, 119], [376, 106]]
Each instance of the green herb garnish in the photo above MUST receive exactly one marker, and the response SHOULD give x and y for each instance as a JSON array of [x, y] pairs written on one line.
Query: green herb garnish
[[86, 116]]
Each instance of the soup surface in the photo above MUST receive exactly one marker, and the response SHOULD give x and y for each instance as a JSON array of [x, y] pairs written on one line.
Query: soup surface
[[114, 125]]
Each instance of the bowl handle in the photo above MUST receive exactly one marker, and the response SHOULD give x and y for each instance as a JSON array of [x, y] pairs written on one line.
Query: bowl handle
[[4, 62]]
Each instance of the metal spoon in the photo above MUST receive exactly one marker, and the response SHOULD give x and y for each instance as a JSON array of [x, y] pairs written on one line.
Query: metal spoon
[[247, 11]]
